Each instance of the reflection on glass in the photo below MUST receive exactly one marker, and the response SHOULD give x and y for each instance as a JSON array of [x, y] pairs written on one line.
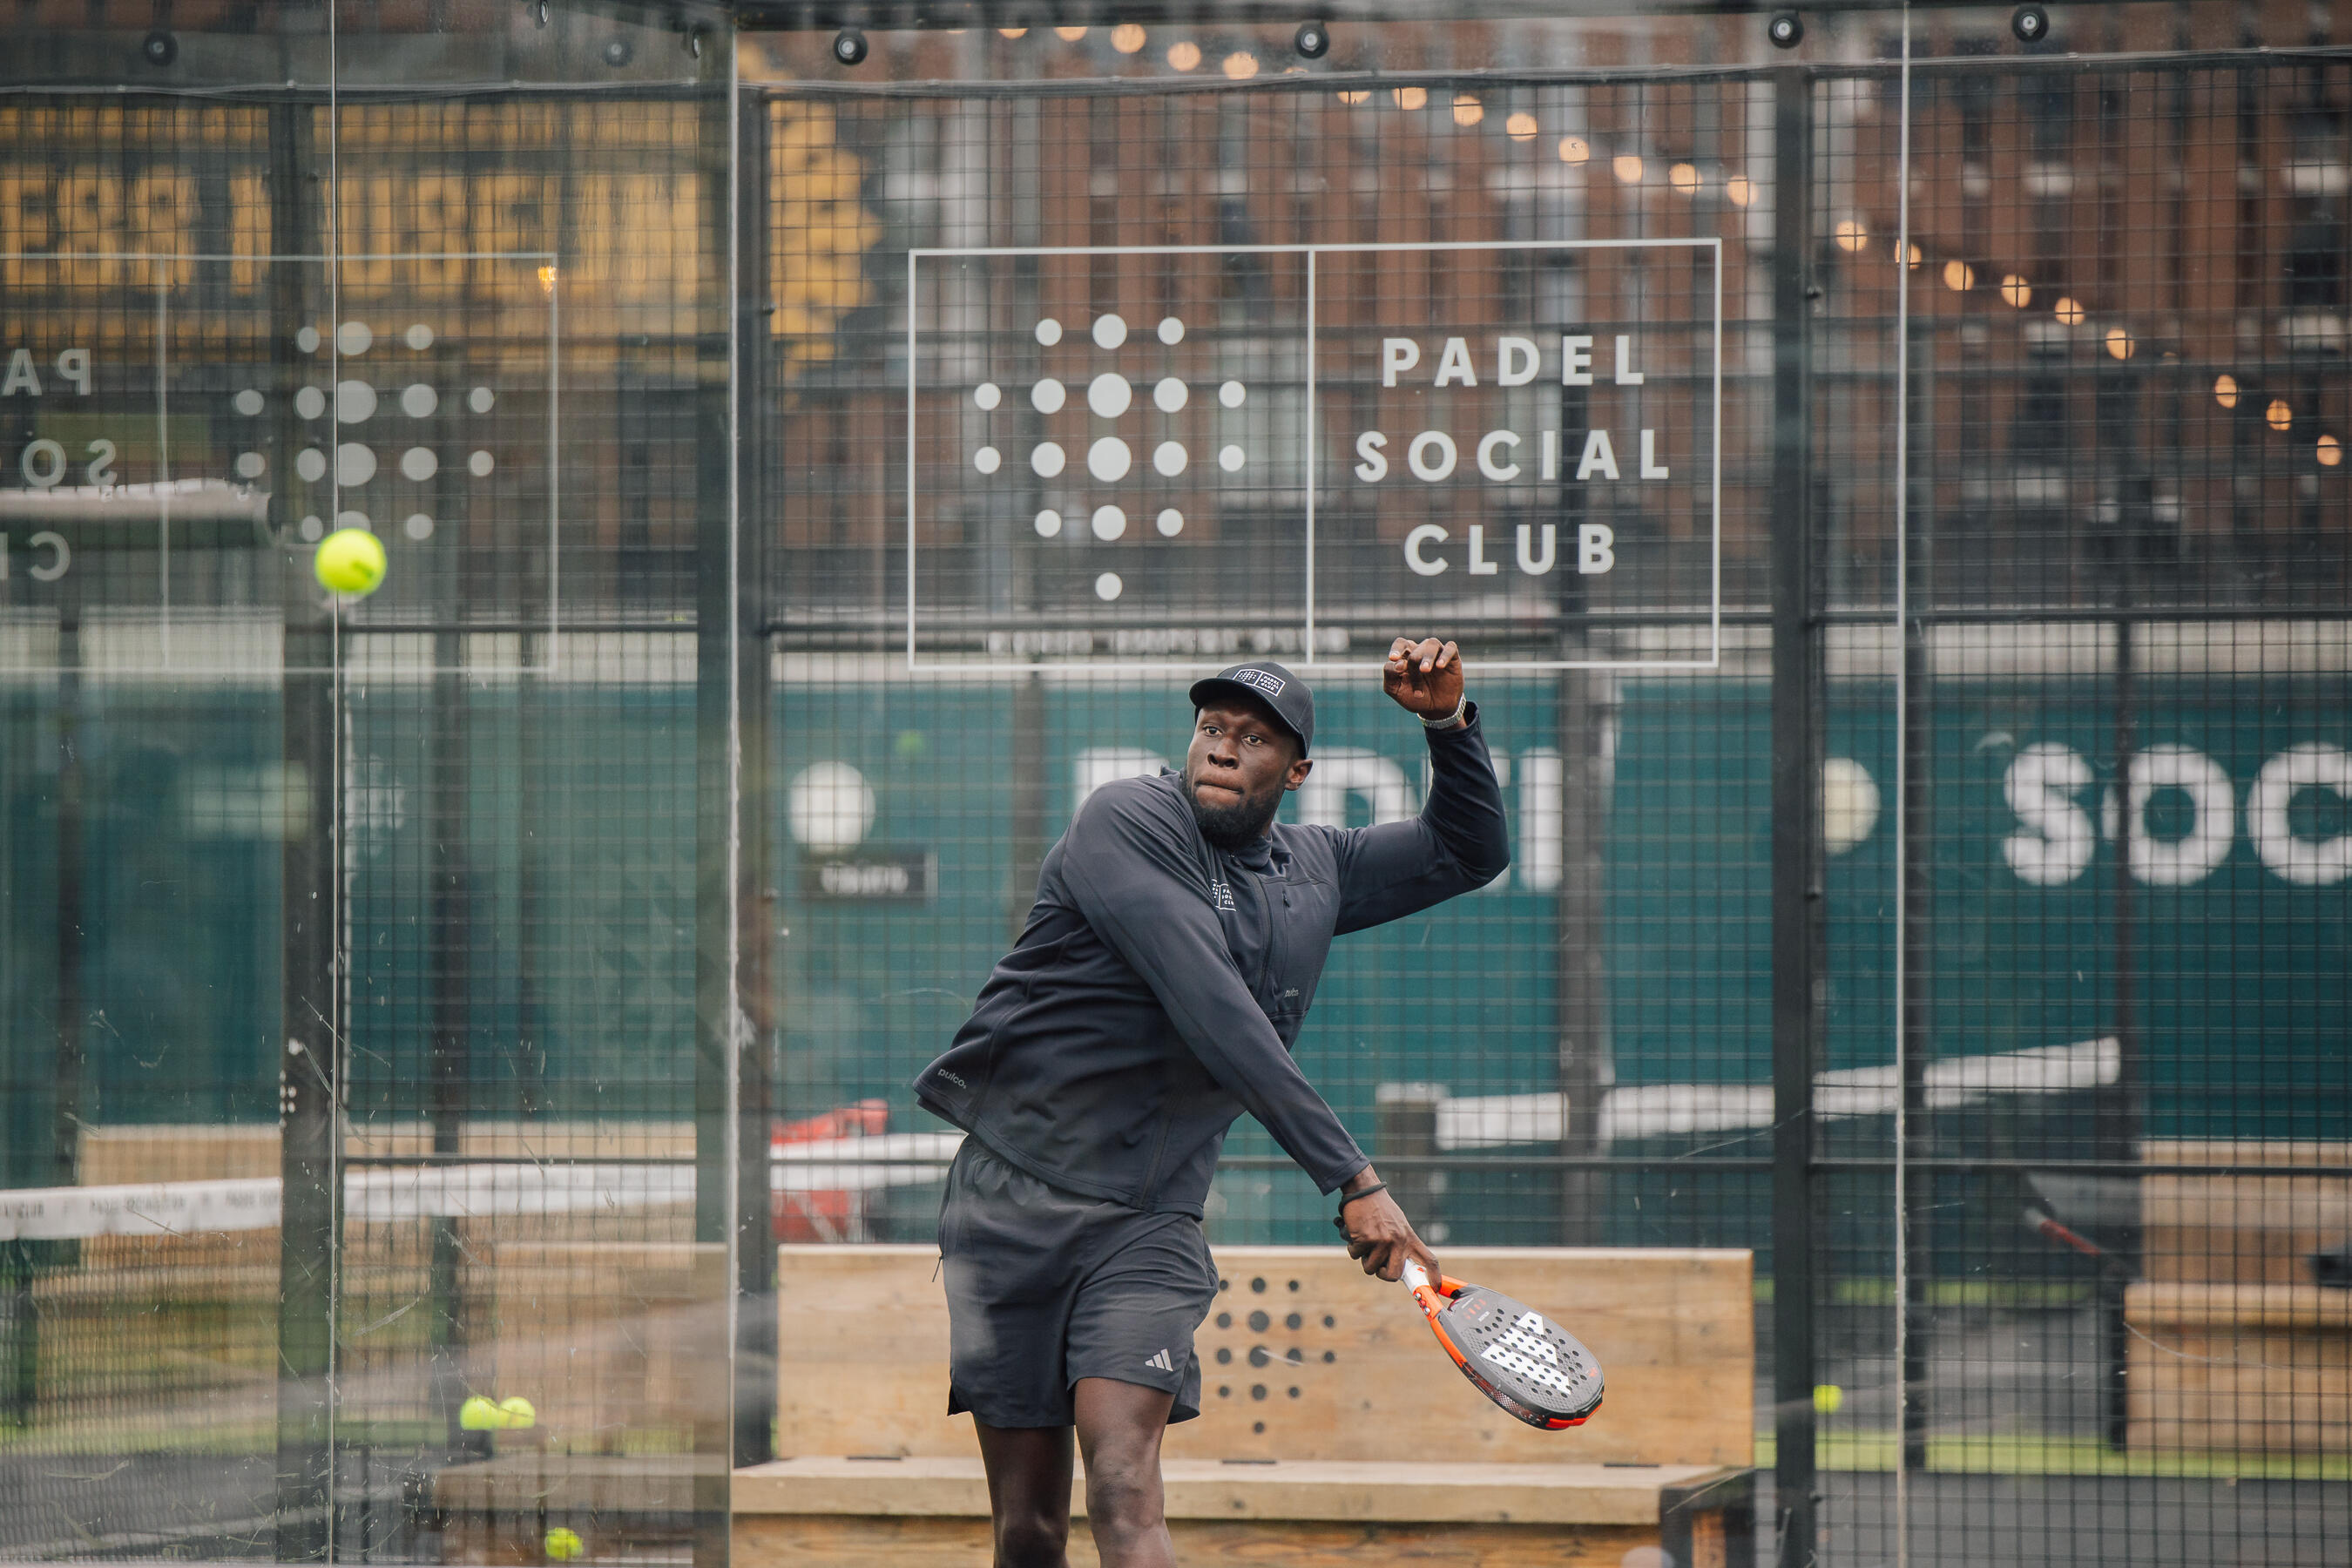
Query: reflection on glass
[[354, 1155]]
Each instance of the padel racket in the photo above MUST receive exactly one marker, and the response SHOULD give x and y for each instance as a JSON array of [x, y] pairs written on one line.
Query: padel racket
[[1510, 1353]]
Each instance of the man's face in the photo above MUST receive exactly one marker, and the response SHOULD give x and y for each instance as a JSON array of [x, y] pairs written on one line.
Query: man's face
[[1240, 763]]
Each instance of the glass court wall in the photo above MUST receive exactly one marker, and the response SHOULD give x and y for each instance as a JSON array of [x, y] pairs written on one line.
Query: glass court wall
[[366, 1105], [1894, 518]]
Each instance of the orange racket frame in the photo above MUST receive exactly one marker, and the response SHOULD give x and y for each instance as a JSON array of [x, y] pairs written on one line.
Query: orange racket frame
[[1431, 1296]]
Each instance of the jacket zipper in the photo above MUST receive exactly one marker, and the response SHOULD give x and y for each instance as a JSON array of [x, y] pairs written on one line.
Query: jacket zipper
[[1267, 967]]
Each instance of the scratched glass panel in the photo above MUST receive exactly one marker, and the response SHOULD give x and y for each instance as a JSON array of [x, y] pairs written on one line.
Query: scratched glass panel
[[348, 933]]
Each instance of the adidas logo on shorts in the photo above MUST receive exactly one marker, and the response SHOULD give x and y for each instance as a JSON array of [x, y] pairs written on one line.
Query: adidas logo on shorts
[[1159, 1359]]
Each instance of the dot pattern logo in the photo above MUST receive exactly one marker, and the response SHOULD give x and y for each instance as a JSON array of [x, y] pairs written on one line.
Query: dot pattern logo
[[1137, 436], [356, 428]]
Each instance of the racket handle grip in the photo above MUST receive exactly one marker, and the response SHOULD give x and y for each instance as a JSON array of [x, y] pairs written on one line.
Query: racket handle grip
[[1416, 1277]]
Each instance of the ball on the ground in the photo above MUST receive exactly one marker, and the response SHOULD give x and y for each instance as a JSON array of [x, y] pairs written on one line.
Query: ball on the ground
[[478, 1415], [1828, 1398], [563, 1545], [518, 1412], [350, 560]]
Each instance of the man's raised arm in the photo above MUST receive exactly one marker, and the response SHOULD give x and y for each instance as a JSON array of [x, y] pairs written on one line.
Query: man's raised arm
[[1460, 841]]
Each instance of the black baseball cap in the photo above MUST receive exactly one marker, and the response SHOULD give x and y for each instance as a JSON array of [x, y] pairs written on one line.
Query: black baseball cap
[[1285, 693]]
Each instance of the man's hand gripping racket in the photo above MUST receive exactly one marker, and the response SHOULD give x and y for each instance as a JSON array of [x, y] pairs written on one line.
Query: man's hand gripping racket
[[1510, 1353]]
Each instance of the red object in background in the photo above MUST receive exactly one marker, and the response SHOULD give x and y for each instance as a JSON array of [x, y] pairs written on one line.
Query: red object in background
[[2051, 1230], [833, 1214]]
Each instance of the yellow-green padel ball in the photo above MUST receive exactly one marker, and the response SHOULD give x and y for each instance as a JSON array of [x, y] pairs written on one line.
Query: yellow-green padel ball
[[563, 1545], [351, 561]]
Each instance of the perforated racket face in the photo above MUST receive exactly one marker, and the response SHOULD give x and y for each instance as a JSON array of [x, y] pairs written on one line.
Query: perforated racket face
[[1521, 1360]]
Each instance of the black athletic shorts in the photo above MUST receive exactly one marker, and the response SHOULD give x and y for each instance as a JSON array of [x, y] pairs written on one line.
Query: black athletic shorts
[[1046, 1286]]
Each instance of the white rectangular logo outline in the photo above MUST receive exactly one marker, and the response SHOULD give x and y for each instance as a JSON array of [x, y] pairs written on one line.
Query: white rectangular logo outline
[[1711, 243]]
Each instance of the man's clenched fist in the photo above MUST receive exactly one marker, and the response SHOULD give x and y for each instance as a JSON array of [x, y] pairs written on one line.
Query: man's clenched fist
[[1425, 677]]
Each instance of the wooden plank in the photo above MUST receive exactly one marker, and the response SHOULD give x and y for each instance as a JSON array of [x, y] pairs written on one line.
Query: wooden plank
[[566, 1483], [1403, 1493], [863, 1337], [2159, 1303], [2246, 1229], [773, 1541], [2254, 1369], [124, 1155], [2241, 1393], [2246, 1151], [928, 1487], [770, 1540]]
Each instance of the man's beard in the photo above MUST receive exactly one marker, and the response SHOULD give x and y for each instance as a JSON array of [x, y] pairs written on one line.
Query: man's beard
[[1237, 826]]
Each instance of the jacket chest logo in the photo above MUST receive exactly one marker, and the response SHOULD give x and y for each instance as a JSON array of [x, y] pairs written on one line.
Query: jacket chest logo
[[1221, 893]]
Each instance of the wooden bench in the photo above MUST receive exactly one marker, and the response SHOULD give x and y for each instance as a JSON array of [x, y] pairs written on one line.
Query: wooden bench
[[2234, 1347], [1320, 1389]]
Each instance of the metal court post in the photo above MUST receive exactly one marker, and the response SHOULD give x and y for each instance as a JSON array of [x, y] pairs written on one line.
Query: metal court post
[[1796, 906]]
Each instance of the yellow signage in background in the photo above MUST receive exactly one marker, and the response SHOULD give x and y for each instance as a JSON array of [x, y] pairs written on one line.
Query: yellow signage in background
[[127, 232], [820, 232], [124, 199]]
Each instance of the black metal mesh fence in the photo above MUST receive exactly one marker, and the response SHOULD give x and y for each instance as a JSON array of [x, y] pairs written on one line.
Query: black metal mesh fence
[[2125, 636], [2090, 965], [1039, 393]]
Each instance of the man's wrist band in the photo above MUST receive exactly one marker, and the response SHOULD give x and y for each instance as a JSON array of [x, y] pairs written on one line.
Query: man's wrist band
[[1446, 723], [1340, 1220]]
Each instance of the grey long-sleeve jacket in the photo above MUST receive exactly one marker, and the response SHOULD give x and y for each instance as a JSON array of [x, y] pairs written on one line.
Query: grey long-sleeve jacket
[[1160, 983]]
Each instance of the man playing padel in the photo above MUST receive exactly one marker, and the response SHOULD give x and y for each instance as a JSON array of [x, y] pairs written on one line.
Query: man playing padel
[[1155, 996]]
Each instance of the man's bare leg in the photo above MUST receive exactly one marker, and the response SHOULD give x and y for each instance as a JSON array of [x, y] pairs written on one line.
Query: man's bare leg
[[1119, 1429], [1028, 1493]]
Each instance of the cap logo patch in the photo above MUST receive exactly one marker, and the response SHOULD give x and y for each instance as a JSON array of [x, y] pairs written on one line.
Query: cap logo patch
[[1271, 684]]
